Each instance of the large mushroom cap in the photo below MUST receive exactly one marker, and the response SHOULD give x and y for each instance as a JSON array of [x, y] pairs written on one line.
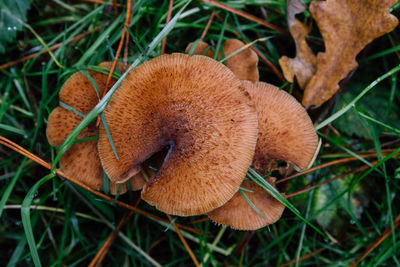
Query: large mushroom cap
[[245, 63], [286, 131], [80, 161], [238, 214], [195, 106]]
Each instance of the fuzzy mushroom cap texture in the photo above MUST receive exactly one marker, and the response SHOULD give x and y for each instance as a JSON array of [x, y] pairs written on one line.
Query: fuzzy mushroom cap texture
[[245, 63], [238, 214], [195, 106], [286, 131], [80, 161], [202, 48], [78, 93]]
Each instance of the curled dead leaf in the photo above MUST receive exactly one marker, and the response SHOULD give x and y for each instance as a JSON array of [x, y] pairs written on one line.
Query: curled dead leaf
[[303, 66], [347, 26]]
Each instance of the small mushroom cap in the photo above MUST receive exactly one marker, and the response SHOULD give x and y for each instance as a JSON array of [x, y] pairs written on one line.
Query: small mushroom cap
[[79, 93], [81, 160], [245, 63], [202, 48], [286, 131], [60, 124], [238, 214], [195, 106]]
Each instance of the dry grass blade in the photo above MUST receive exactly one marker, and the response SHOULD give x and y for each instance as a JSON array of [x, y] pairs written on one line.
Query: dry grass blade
[[4, 141], [334, 178], [313, 253], [210, 20], [52, 48], [309, 255], [375, 244], [244, 242], [264, 58], [330, 180], [189, 250], [246, 15], [121, 42], [169, 15], [124, 33], [114, 3], [100, 255], [334, 162], [200, 220], [269, 63]]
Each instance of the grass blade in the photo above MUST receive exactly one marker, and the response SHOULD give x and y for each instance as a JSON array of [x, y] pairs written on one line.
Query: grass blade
[[351, 104], [10, 187], [255, 177], [26, 218], [251, 203], [67, 107]]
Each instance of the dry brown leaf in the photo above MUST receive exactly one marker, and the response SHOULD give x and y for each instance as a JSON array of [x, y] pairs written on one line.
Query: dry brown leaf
[[347, 26], [303, 66]]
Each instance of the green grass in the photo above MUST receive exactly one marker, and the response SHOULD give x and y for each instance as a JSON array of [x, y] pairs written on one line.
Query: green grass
[[46, 220]]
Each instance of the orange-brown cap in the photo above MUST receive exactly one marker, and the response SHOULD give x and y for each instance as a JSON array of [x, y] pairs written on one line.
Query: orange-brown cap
[[81, 160], [238, 214], [78, 93], [60, 124], [202, 48], [245, 63], [286, 131], [195, 106]]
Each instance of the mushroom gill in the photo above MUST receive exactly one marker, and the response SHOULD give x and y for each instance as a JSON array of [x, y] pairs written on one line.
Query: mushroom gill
[[238, 214]]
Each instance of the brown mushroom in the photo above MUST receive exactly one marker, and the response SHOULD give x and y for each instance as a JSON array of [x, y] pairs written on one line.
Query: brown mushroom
[[195, 106], [81, 160], [240, 215], [244, 63], [202, 48], [285, 133]]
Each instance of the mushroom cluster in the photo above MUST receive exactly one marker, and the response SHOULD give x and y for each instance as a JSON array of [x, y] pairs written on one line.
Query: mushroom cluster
[[212, 121], [285, 133], [78, 96]]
